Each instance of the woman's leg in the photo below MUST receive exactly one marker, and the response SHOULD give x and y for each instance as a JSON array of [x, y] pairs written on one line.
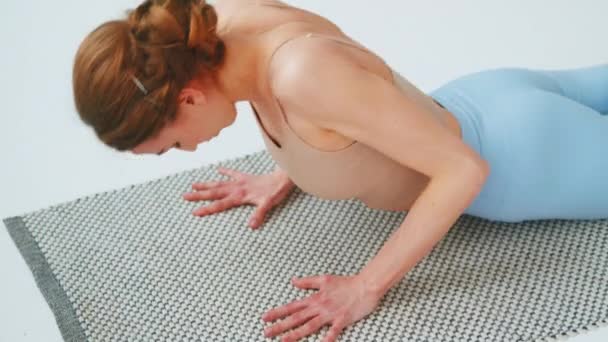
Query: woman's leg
[[544, 137], [558, 152], [586, 85]]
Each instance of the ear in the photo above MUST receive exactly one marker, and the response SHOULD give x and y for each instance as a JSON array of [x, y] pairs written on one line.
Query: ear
[[192, 96]]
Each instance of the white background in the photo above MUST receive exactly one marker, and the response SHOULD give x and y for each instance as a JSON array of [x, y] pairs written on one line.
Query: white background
[[48, 156]]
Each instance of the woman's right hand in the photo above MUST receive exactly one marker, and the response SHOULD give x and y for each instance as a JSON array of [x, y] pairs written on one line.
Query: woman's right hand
[[265, 191]]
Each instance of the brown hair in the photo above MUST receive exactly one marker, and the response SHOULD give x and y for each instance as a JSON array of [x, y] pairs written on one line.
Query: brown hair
[[164, 44]]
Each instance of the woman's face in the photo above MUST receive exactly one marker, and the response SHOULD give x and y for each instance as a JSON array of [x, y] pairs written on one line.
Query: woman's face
[[200, 117]]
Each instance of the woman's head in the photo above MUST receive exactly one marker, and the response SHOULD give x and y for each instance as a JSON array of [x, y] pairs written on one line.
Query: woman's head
[[146, 82]]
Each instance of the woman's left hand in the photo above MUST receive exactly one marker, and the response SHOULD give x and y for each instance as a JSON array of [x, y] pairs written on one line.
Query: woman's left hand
[[340, 302]]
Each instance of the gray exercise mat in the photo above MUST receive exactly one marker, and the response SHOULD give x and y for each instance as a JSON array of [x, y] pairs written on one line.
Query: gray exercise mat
[[134, 264]]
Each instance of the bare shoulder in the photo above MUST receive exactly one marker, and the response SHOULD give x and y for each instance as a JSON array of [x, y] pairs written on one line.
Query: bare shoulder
[[295, 66], [294, 58], [282, 29], [299, 65]]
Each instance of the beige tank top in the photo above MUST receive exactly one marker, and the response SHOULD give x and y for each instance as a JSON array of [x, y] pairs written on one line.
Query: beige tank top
[[354, 172]]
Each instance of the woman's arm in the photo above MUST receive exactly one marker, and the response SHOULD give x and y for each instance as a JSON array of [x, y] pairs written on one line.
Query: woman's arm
[[428, 220], [327, 88]]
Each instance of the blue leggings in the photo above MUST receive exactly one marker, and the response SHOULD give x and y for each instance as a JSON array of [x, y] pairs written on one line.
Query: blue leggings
[[544, 134]]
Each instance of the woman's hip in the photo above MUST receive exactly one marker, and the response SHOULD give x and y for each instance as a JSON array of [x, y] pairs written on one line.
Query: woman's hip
[[546, 151]]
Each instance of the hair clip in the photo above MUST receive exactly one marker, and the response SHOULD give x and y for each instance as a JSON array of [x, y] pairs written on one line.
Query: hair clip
[[139, 85]]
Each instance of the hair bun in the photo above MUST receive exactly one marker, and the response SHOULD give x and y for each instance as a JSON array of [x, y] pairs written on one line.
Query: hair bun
[[201, 32]]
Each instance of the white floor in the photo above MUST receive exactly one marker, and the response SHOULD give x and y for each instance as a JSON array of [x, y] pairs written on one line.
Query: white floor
[[49, 157]]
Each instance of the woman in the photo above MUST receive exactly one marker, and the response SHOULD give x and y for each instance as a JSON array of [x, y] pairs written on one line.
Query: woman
[[508, 144]]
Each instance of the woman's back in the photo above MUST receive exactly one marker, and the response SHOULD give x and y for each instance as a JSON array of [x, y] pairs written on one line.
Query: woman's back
[[264, 15], [307, 154], [280, 23]]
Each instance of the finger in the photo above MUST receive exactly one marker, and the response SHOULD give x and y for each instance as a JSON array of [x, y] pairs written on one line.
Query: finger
[[334, 331], [212, 184], [290, 322], [215, 207], [288, 309], [209, 194], [228, 172], [309, 328], [258, 215], [312, 282]]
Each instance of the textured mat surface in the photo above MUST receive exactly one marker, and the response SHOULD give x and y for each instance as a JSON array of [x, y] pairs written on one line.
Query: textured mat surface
[[134, 264]]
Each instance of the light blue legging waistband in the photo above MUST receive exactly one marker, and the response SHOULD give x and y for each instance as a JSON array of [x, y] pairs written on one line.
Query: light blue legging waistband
[[544, 134]]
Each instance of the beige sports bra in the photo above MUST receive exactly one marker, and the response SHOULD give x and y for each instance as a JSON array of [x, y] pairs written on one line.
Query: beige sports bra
[[396, 78], [355, 171]]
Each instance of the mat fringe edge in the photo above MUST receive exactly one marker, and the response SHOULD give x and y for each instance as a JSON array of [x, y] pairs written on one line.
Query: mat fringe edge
[[49, 285]]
